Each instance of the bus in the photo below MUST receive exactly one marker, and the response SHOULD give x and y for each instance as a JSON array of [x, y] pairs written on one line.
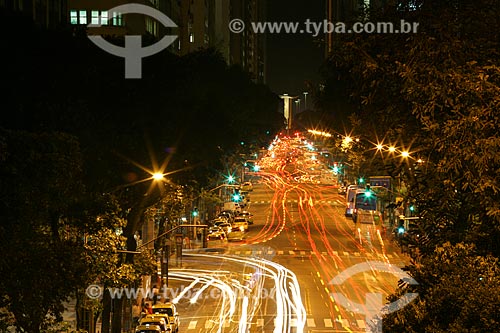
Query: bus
[[349, 198], [365, 207]]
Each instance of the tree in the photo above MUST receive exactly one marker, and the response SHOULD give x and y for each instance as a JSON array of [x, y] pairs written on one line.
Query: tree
[[455, 293], [40, 264]]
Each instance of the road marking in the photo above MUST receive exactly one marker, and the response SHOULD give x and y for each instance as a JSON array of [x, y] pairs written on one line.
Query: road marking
[[324, 253], [291, 252], [335, 253], [260, 322], [346, 254], [280, 252], [389, 256], [270, 252], [302, 253], [259, 252], [248, 252], [192, 324], [209, 324], [361, 323], [357, 254], [311, 322], [345, 323], [369, 254], [328, 322], [237, 252], [293, 322], [226, 324]]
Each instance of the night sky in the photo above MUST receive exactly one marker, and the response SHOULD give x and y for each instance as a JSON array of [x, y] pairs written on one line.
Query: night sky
[[293, 58]]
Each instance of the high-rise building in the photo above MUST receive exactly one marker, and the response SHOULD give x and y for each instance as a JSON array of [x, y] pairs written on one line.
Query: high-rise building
[[249, 48], [345, 11], [48, 14]]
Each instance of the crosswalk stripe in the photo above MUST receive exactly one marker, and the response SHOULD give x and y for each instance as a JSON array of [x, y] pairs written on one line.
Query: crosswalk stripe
[[361, 323], [280, 252], [335, 253], [291, 252], [311, 322], [209, 324], [226, 324], [328, 322], [248, 252], [357, 254], [260, 322], [390, 256], [369, 254], [293, 322], [324, 253], [259, 252], [237, 252], [346, 254], [302, 253], [270, 252], [192, 324]]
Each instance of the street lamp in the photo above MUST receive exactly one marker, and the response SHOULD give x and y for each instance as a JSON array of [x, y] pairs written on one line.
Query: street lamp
[[305, 99], [157, 176]]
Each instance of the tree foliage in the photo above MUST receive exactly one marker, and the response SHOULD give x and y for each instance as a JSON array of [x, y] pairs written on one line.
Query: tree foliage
[[436, 93]]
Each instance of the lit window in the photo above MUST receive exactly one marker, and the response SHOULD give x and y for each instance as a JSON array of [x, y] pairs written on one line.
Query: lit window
[[191, 38], [104, 18], [83, 17], [73, 17], [117, 19], [95, 17]]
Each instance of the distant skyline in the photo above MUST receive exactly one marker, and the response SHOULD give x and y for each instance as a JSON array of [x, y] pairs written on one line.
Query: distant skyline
[[293, 59]]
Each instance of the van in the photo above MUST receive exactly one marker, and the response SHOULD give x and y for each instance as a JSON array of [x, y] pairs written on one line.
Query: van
[[349, 198]]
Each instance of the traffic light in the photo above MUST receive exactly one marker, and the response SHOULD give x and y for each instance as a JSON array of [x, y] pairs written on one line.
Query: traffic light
[[236, 197], [195, 212], [412, 208], [401, 230], [361, 180]]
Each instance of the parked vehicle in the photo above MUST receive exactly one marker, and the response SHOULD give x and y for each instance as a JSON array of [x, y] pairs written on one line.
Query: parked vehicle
[[365, 207], [169, 310], [148, 329], [349, 198], [247, 215], [240, 223], [216, 233], [157, 320]]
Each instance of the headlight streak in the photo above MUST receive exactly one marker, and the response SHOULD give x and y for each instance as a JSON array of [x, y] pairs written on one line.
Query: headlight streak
[[288, 301]]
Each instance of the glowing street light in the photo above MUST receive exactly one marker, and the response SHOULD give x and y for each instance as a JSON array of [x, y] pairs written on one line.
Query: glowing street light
[[157, 176], [392, 149], [405, 154], [380, 147]]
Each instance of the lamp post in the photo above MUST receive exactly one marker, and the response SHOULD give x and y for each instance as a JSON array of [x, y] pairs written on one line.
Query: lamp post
[[305, 99]]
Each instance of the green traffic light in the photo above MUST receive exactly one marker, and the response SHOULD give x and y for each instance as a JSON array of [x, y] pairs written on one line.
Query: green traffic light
[[361, 180]]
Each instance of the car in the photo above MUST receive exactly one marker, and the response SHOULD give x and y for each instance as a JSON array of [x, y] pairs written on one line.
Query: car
[[225, 226], [236, 236], [157, 320], [216, 233], [240, 223], [247, 215], [169, 310], [246, 186], [148, 329]]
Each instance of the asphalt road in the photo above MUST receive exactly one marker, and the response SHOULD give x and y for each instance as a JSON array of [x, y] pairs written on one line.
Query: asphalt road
[[304, 267]]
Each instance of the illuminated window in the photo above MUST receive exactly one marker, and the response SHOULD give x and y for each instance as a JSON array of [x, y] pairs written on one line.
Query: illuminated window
[[83, 17], [95, 17], [117, 19], [104, 18], [73, 17], [191, 38]]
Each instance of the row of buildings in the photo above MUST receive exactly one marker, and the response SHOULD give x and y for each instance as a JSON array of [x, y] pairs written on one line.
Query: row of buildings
[[200, 24]]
